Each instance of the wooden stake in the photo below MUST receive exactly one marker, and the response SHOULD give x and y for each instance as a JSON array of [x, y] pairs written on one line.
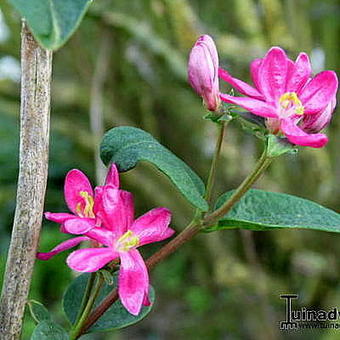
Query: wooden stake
[[36, 66]]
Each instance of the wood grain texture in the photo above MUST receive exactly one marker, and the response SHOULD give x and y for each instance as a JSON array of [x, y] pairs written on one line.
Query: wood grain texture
[[36, 65]]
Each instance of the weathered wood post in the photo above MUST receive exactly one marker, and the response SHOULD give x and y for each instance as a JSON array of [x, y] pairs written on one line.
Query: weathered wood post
[[36, 66]]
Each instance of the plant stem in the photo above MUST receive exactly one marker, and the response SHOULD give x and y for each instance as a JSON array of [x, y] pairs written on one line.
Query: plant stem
[[187, 234], [261, 165], [36, 70], [96, 111], [212, 173], [88, 290], [76, 331]]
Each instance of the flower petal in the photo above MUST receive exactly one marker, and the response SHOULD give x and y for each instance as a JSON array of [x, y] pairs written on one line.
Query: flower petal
[[317, 94], [75, 183], [202, 71], [255, 106], [133, 281], [203, 64], [153, 226], [116, 209], [90, 259], [240, 85], [112, 177], [317, 122], [101, 235], [297, 136], [273, 74], [78, 226], [61, 247], [254, 72], [58, 217], [299, 73]]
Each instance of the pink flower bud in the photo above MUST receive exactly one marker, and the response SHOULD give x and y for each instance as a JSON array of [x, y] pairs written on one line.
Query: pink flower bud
[[315, 123], [203, 71]]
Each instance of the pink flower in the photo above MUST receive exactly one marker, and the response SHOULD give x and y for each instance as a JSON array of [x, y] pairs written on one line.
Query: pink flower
[[83, 204], [108, 220], [293, 103], [203, 71], [121, 238]]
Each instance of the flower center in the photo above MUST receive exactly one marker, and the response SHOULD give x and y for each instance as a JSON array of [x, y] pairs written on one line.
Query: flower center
[[87, 210], [127, 241], [290, 105]]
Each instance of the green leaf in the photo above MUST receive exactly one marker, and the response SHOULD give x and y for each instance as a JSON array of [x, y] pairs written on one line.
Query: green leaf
[[115, 317], [52, 22], [48, 330], [262, 210], [38, 311], [277, 146], [126, 146]]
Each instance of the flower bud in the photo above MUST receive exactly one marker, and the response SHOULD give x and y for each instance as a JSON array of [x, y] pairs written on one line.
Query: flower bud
[[315, 123], [203, 71]]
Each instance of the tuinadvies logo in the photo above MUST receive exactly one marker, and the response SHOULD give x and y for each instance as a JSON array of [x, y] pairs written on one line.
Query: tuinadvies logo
[[305, 318]]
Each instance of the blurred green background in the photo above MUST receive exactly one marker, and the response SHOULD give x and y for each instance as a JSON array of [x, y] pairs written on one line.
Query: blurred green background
[[126, 65]]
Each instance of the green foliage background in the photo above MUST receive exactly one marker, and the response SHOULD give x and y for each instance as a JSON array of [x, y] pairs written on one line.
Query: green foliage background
[[129, 59]]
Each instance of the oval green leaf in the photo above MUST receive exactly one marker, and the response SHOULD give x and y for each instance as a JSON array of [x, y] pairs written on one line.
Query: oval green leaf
[[126, 146], [115, 317], [48, 330], [52, 22], [38, 311], [262, 210]]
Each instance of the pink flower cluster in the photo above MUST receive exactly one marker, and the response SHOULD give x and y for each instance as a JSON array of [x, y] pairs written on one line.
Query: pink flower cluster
[[105, 217], [294, 103]]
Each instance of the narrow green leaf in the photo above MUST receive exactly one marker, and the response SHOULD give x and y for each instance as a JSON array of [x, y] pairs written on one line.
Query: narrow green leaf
[[126, 146], [116, 316], [38, 311], [263, 210], [48, 330], [52, 22]]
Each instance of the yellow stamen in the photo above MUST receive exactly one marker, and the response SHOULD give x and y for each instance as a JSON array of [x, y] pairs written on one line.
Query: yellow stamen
[[87, 211], [290, 100], [127, 241]]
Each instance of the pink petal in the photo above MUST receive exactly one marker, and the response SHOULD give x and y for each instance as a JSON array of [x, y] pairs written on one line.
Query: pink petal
[[273, 74], [116, 209], [58, 217], [90, 259], [299, 73], [254, 72], [239, 85], [98, 199], [79, 225], [209, 44], [202, 71], [101, 235], [88, 227], [203, 64], [133, 281], [316, 122], [297, 136], [75, 183], [317, 94], [112, 177], [255, 106], [61, 247], [153, 226]]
